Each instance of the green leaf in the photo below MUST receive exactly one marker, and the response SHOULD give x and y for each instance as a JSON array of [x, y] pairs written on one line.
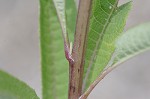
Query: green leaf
[[67, 12], [12, 88], [71, 14], [107, 21], [60, 9], [132, 42], [54, 65]]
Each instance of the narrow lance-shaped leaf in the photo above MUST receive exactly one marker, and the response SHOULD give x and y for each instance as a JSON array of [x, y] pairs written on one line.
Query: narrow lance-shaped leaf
[[60, 9], [71, 16], [106, 23], [67, 12], [132, 42], [54, 65], [12, 88]]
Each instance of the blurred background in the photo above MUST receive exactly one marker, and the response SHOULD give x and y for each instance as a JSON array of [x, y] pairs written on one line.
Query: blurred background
[[19, 51]]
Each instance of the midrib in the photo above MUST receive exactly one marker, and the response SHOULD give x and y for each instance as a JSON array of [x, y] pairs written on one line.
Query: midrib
[[97, 44]]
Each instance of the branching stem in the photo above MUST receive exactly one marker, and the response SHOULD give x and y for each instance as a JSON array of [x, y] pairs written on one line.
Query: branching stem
[[92, 86], [76, 67]]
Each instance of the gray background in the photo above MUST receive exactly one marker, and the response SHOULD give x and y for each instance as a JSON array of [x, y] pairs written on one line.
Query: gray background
[[19, 51]]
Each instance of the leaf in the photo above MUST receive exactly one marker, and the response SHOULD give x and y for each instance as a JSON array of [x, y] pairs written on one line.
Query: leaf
[[67, 12], [132, 42], [107, 21], [54, 65], [12, 88], [60, 9], [71, 14]]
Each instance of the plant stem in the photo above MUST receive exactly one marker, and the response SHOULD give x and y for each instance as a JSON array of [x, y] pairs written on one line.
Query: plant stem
[[92, 86], [76, 66]]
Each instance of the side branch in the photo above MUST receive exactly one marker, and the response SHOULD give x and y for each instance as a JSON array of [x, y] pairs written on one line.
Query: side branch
[[92, 86]]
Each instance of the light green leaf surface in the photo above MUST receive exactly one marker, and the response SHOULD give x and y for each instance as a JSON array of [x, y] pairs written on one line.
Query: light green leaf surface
[[67, 12], [54, 65], [106, 24], [71, 14], [60, 9], [132, 42], [12, 88]]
